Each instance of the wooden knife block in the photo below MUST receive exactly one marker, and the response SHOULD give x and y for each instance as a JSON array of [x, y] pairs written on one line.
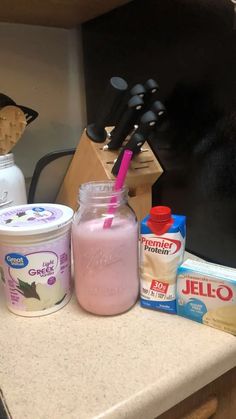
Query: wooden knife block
[[91, 163]]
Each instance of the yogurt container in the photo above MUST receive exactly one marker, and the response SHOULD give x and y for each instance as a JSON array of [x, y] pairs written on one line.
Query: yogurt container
[[35, 257]]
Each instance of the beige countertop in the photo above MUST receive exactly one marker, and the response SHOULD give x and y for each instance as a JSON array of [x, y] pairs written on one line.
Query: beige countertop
[[73, 365]]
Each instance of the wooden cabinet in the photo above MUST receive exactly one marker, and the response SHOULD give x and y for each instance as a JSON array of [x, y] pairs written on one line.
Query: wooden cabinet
[[60, 13], [216, 400]]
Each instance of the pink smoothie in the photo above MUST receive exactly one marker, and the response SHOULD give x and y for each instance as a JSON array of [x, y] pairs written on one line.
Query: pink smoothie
[[106, 265]]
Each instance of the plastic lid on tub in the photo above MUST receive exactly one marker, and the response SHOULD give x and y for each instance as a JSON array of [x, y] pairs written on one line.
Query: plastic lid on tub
[[32, 219]]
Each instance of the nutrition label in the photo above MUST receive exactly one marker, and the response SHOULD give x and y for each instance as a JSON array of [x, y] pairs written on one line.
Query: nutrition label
[[158, 290]]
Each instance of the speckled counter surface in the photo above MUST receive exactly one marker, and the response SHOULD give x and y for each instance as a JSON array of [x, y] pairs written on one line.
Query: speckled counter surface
[[73, 365]]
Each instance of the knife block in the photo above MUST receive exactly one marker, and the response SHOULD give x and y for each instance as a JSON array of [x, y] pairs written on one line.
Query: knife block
[[91, 163]]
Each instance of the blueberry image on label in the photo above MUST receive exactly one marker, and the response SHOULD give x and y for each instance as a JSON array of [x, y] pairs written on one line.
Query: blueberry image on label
[[20, 214], [51, 280]]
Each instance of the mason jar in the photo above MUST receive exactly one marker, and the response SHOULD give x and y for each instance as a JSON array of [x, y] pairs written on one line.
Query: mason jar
[[105, 249]]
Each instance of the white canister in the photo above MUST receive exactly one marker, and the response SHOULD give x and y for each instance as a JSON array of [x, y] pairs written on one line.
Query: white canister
[[12, 183], [35, 255]]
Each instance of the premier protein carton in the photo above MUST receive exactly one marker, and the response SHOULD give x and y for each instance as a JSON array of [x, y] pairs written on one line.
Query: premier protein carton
[[206, 293], [162, 243]]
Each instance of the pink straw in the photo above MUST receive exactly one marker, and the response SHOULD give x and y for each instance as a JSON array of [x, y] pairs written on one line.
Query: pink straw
[[120, 180]]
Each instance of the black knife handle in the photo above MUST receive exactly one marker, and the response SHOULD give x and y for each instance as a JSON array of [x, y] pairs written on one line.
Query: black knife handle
[[109, 104], [134, 144], [126, 124], [158, 108], [147, 123], [138, 89], [151, 86]]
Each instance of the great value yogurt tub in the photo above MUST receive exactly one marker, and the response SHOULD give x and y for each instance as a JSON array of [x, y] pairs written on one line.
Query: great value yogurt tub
[[35, 256]]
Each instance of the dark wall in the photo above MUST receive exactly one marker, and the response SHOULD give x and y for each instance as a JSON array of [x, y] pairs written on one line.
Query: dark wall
[[189, 47]]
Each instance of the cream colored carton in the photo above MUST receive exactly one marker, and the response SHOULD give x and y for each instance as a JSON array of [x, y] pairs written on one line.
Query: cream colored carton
[[162, 243], [206, 293]]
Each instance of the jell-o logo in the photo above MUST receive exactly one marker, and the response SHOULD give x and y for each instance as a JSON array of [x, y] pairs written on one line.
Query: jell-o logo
[[206, 289]]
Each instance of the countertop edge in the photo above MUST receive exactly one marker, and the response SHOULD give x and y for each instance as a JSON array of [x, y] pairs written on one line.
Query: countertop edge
[[152, 402]]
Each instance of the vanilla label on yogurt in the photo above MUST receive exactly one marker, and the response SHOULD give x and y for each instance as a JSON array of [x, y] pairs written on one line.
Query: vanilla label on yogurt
[[206, 293]]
